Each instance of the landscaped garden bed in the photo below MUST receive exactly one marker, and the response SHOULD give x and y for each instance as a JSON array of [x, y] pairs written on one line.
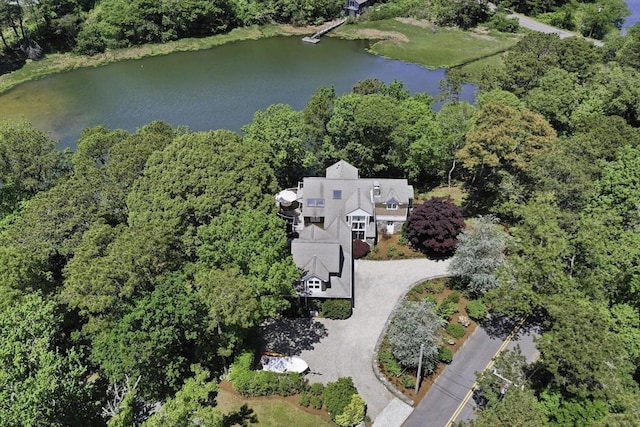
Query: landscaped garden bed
[[449, 304]]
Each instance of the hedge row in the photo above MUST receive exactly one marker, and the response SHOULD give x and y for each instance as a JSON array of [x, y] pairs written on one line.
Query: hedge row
[[251, 383]]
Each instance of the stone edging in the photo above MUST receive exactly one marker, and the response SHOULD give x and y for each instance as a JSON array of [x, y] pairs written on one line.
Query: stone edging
[[376, 369]]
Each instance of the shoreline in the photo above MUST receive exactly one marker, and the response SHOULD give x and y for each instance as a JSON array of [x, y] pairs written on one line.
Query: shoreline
[[56, 63]]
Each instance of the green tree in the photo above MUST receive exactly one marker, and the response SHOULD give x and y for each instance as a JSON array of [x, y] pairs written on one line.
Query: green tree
[[284, 131], [114, 266], [43, 380], [233, 306], [580, 352], [192, 404], [157, 339], [414, 324], [317, 114], [539, 259], [500, 147], [464, 13], [599, 19], [418, 141], [529, 60], [196, 178], [455, 120], [479, 253], [556, 97], [360, 132], [619, 187], [260, 252], [519, 407], [29, 161]]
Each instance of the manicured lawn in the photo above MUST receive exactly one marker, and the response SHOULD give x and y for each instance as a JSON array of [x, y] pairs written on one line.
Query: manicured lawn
[[266, 412], [416, 42]]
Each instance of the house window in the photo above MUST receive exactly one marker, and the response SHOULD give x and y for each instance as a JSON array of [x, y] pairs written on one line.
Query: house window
[[392, 205], [314, 284], [358, 224], [337, 194], [315, 203]]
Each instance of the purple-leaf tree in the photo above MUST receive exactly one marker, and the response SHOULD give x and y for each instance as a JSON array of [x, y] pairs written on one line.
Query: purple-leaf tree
[[433, 227]]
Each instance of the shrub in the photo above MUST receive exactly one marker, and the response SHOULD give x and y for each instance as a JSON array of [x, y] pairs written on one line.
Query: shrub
[[446, 309], [316, 389], [408, 381], [453, 297], [316, 402], [456, 330], [503, 24], [353, 413], [390, 363], [360, 249], [304, 400], [431, 299], [263, 383], [336, 309], [391, 251], [433, 227], [445, 355], [476, 309], [337, 395]]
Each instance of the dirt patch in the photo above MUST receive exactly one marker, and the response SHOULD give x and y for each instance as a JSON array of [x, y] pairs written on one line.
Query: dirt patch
[[390, 247], [369, 33], [481, 33], [422, 23]]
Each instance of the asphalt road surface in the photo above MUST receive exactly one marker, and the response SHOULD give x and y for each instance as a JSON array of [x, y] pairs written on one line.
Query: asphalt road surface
[[446, 395]]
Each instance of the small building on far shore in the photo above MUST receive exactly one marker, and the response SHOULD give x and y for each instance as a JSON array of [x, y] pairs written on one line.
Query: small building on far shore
[[355, 7]]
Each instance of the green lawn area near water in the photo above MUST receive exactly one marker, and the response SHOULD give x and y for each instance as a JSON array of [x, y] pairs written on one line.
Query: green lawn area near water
[[265, 412], [433, 47]]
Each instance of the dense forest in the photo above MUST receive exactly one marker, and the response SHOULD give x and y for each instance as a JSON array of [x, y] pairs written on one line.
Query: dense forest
[[135, 269], [31, 28]]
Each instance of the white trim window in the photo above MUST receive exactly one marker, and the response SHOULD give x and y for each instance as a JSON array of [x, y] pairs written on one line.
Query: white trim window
[[315, 203], [358, 226], [314, 284], [392, 205]]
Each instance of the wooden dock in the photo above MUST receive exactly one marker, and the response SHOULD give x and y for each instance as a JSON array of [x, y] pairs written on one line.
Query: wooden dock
[[316, 37]]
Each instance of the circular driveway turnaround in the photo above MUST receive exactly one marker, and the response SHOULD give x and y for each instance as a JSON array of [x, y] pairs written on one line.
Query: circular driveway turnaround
[[347, 349]]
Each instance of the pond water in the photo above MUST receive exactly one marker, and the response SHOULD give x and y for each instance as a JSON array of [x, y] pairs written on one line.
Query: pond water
[[220, 88]]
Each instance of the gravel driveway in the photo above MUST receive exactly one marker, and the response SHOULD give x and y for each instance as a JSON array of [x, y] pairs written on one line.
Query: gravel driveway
[[342, 348]]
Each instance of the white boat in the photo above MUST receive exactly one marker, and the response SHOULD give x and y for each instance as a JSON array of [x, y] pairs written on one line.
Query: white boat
[[283, 364]]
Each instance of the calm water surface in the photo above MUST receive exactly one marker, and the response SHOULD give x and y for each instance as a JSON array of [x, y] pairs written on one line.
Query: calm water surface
[[634, 18], [218, 88]]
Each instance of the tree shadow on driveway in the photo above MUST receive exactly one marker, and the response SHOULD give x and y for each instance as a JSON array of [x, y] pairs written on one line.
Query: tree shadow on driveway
[[291, 336]]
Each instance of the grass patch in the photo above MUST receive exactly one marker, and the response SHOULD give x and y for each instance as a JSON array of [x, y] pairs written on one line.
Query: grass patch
[[456, 193], [473, 70], [60, 62], [444, 48], [266, 412]]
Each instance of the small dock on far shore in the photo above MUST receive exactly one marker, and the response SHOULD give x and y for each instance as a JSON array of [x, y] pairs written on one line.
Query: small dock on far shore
[[316, 37]]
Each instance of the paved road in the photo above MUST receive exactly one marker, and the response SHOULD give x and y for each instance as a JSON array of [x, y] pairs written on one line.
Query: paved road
[[532, 24], [444, 397], [341, 348]]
